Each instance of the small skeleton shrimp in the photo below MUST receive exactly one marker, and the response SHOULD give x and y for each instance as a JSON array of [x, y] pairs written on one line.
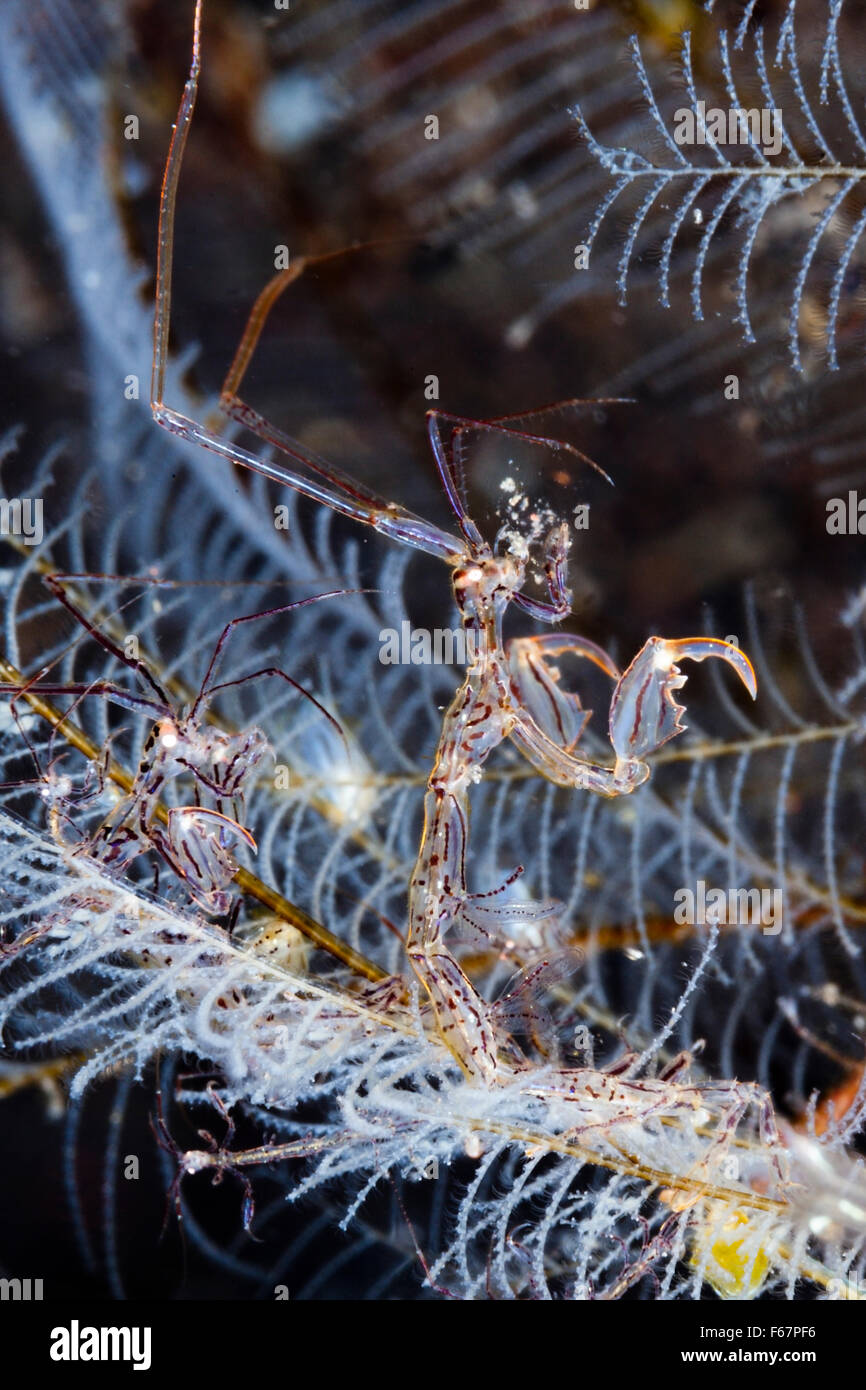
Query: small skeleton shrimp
[[198, 839], [509, 691], [611, 1100]]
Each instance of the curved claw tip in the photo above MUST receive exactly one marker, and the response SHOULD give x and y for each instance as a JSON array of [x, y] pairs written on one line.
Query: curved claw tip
[[644, 713], [699, 648]]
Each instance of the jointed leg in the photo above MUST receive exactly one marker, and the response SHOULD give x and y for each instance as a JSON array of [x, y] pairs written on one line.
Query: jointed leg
[[336, 490]]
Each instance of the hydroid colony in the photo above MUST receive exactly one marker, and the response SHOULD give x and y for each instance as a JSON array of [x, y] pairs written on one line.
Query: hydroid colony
[[623, 1142]]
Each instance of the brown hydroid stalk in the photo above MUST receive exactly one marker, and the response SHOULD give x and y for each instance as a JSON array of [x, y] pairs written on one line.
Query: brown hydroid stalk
[[627, 1166]]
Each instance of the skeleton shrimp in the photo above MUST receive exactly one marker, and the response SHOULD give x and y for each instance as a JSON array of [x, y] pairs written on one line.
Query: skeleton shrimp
[[196, 841], [510, 690], [608, 1100]]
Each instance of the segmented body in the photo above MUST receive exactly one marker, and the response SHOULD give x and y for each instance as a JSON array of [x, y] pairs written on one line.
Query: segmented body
[[610, 1099], [479, 717]]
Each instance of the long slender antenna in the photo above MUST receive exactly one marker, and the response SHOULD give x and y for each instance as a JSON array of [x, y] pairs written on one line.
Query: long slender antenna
[[337, 491]]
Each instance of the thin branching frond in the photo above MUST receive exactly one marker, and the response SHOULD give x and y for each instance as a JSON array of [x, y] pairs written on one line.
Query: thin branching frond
[[776, 130]]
